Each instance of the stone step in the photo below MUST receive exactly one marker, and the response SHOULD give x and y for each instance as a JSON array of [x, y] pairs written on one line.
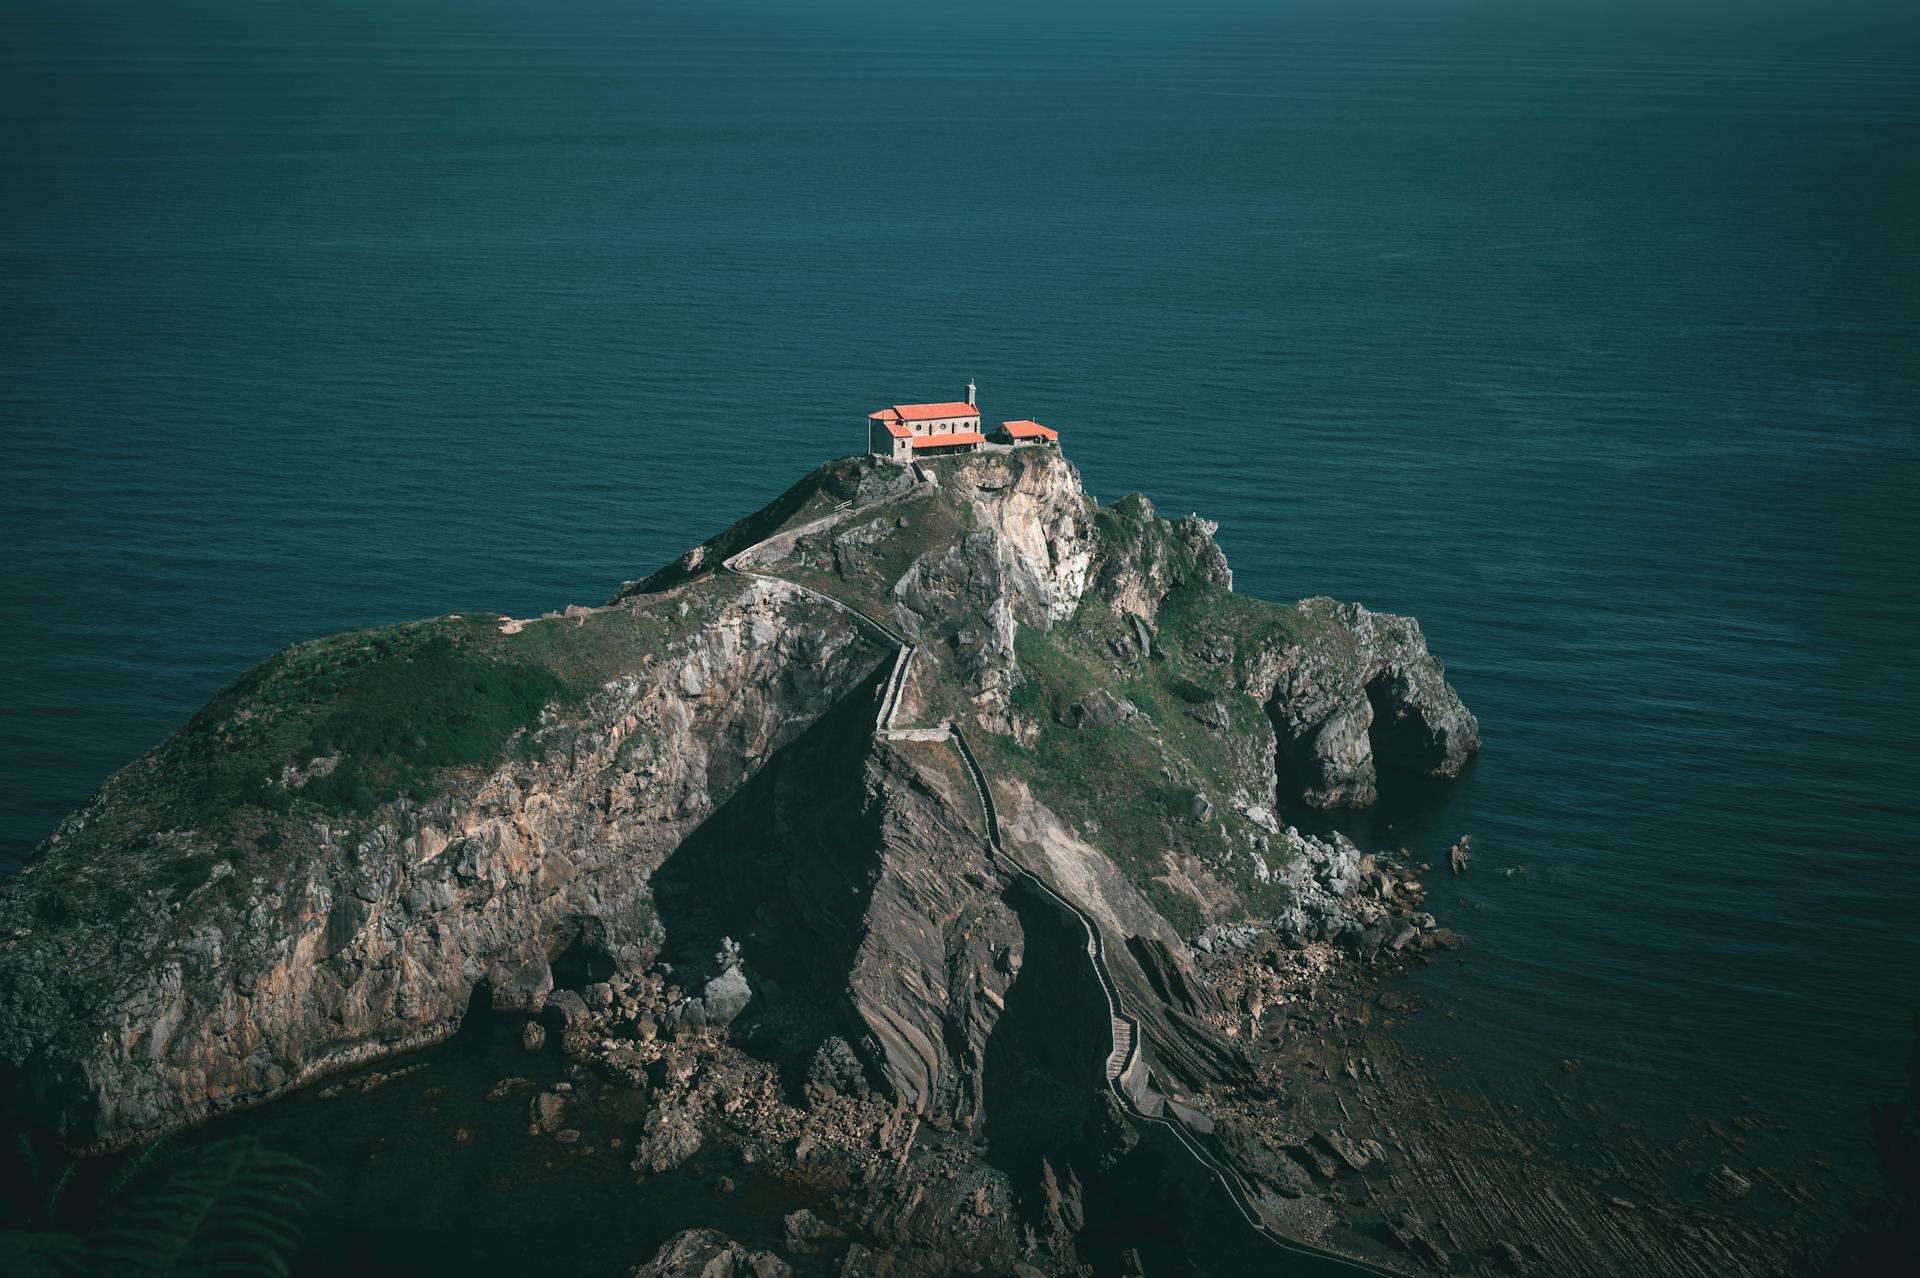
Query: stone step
[[1122, 1045]]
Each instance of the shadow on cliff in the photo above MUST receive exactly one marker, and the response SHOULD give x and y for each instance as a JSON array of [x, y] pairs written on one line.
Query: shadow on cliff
[[1119, 1186], [1045, 1055], [786, 868]]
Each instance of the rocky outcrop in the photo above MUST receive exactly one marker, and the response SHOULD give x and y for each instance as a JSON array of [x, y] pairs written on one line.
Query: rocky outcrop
[[1359, 694], [1337, 893], [1143, 558], [1026, 561], [1039, 519], [708, 1253], [150, 1007]]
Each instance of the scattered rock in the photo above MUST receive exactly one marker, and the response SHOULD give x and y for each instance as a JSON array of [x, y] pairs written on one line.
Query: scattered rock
[[669, 1137], [708, 1253], [547, 1112], [533, 1036], [807, 1234]]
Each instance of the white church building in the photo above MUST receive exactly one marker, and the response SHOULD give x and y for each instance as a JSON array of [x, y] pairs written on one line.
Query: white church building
[[904, 432]]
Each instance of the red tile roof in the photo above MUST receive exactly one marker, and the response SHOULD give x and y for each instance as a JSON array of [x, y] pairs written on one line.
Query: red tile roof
[[925, 412], [943, 441], [1029, 430], [896, 430]]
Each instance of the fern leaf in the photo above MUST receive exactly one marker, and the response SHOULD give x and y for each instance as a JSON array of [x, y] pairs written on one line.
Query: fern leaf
[[230, 1206], [137, 1163], [50, 1206]]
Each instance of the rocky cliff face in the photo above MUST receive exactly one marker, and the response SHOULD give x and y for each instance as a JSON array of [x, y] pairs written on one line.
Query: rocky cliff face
[[357, 841], [1364, 694], [138, 1005]]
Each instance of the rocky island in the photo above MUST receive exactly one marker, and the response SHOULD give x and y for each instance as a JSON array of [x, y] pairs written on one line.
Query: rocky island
[[916, 848]]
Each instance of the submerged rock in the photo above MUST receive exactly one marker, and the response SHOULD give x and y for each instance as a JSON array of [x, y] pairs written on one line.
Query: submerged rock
[[1726, 1184]]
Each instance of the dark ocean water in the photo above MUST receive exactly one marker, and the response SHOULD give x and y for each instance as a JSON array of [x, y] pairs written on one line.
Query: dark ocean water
[[1592, 345]]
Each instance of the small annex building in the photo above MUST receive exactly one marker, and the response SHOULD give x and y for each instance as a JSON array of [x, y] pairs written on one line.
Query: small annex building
[[904, 432], [1020, 434]]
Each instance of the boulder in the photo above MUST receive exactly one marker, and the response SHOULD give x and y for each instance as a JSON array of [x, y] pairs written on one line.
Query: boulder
[[807, 1234], [708, 1253], [670, 1136], [547, 1111], [1100, 709], [836, 1070]]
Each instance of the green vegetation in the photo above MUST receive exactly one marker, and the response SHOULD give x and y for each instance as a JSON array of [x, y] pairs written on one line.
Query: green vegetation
[[1131, 788], [393, 704], [224, 1207], [393, 722], [344, 724], [330, 731]]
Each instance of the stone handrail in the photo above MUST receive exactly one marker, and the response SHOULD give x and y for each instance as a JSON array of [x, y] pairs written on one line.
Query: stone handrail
[[1124, 1061]]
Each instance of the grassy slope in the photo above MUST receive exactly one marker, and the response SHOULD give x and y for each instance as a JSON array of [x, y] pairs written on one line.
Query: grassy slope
[[404, 708]]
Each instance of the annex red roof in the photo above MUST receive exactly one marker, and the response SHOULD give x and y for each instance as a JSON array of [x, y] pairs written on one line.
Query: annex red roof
[[896, 430], [925, 412], [1029, 430], [944, 441]]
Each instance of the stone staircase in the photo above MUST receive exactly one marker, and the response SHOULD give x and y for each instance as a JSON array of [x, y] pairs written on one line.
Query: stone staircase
[[1122, 1047], [1122, 1055]]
